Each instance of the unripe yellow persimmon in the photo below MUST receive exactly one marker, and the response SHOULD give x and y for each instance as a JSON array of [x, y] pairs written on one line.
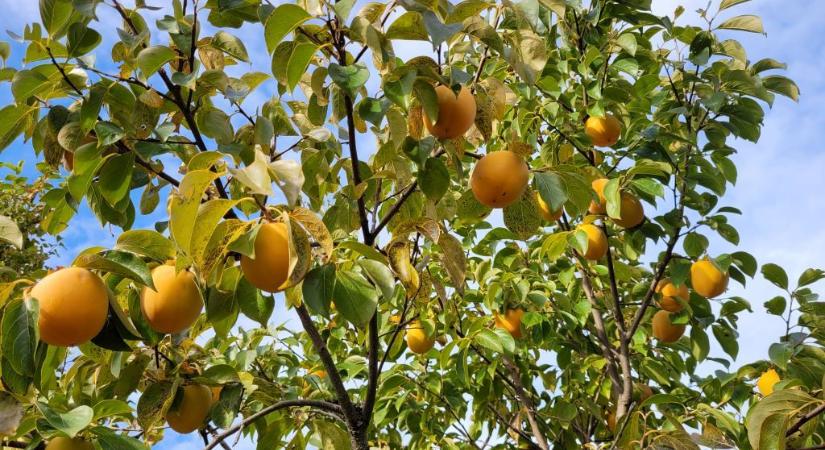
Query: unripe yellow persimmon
[[664, 330], [499, 179], [65, 443], [191, 410], [74, 304], [417, 339], [544, 209], [269, 271], [175, 303], [603, 131], [456, 114], [766, 382], [632, 213], [511, 321], [601, 207], [671, 294], [596, 241], [707, 280]]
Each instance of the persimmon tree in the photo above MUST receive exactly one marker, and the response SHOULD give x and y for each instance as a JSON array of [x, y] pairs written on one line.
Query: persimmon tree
[[504, 242]]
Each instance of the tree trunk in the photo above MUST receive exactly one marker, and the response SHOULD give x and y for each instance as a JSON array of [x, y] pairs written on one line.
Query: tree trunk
[[358, 438]]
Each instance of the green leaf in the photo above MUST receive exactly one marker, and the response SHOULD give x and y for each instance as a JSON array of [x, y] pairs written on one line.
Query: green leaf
[[118, 262], [318, 289], [439, 31], [343, 8], [71, 422], [226, 409], [627, 42], [750, 23], [28, 83], [434, 179], [148, 243], [151, 59], [111, 407], [776, 305], [19, 331], [727, 339], [252, 303], [13, 119], [380, 275], [108, 133], [522, 217], [116, 177], [185, 203], [82, 39], [695, 244], [490, 340], [10, 232], [810, 276], [281, 22], [780, 353], [728, 3], [349, 78], [372, 110], [110, 440], [354, 297], [54, 14], [215, 124], [298, 63], [154, 402], [782, 85], [699, 343], [230, 45], [408, 26], [255, 176], [551, 188], [425, 93], [775, 275]]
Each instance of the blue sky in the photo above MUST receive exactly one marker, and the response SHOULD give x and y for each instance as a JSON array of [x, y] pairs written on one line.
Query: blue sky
[[779, 186]]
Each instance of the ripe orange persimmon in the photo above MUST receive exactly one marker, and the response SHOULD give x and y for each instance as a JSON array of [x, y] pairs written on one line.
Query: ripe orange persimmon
[[766, 382], [632, 213], [191, 410], [456, 114], [596, 241], [65, 443], [417, 339], [269, 270], [544, 209], [671, 295], [707, 280], [598, 185], [664, 330], [511, 321], [499, 179], [175, 303], [74, 305], [603, 131]]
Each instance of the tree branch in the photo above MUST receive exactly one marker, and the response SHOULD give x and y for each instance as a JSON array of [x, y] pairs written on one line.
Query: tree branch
[[350, 413], [527, 404], [318, 404], [810, 415]]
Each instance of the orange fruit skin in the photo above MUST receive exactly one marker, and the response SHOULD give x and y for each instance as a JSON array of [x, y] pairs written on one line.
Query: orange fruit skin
[[511, 321], [192, 410], [544, 209], [499, 179], [175, 304], [269, 271], [767, 381], [598, 186], [68, 161], [664, 330], [74, 305], [671, 295], [707, 280], [603, 131], [64, 443], [216, 393], [632, 212], [417, 339], [596, 242], [456, 114], [611, 421]]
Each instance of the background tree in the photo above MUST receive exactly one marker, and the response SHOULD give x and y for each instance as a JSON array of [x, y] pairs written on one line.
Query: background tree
[[563, 325]]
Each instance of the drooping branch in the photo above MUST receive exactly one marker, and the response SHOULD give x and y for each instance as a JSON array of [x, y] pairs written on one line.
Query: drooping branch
[[325, 406], [525, 401]]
